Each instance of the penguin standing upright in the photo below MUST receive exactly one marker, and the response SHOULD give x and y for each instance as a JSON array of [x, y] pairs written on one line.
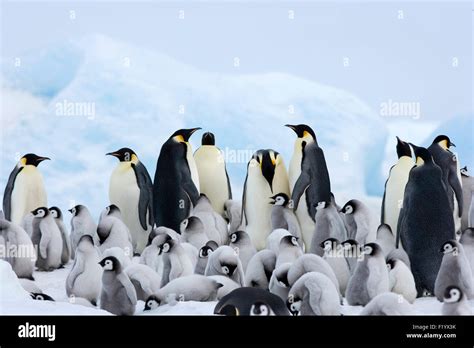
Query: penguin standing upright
[[395, 185], [468, 197], [25, 189], [131, 190], [213, 179], [58, 218], [448, 163], [314, 181], [176, 184], [46, 237], [266, 174], [426, 220]]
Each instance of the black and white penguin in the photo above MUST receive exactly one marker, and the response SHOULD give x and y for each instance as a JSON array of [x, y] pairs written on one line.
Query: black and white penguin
[[25, 189], [176, 184], [131, 190]]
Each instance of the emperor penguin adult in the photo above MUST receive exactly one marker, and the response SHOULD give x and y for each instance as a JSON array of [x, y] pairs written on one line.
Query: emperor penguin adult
[[315, 183], [131, 190], [395, 185], [176, 183], [468, 199], [58, 218], [213, 178], [426, 220], [25, 189], [266, 175], [448, 162]]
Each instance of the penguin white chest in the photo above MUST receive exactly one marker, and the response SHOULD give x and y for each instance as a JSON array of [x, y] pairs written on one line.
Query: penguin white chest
[[192, 167], [125, 193], [28, 193]]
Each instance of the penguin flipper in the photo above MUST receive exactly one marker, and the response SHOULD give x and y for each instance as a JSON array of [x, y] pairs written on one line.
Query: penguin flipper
[[7, 196], [315, 295], [229, 189], [76, 271], [457, 188], [300, 186], [244, 196], [145, 200], [129, 288]]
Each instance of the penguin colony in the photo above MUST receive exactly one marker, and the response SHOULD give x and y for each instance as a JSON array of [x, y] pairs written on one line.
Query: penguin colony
[[287, 248]]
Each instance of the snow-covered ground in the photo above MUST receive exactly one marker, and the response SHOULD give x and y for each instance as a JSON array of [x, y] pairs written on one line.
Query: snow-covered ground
[[16, 301]]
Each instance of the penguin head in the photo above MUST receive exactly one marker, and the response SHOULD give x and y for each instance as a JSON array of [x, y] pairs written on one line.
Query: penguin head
[[350, 243], [110, 263], [205, 251], [350, 207], [124, 154], [403, 148], [443, 141], [191, 224], [237, 236], [76, 210], [289, 240], [329, 244], [112, 209], [321, 205], [40, 212], [451, 246], [305, 135], [464, 171], [422, 155], [152, 302], [228, 268], [371, 249], [267, 161], [261, 309], [391, 263], [56, 212], [208, 139], [293, 303], [280, 199], [40, 296], [30, 159], [166, 246], [183, 135], [452, 294]]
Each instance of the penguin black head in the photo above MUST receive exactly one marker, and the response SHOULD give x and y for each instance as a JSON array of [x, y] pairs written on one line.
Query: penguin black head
[[228, 268], [205, 251], [40, 297], [183, 135], [125, 154], [372, 249], [56, 212], [329, 244], [422, 155], [152, 302], [166, 246], [302, 130], [403, 148], [261, 309], [293, 304], [289, 240], [229, 311], [112, 209], [464, 171], [281, 199], [350, 207], [452, 294], [30, 159], [451, 246], [322, 205], [76, 210], [267, 160], [40, 212], [391, 263], [208, 139], [443, 141], [282, 278], [110, 263], [86, 237], [237, 236]]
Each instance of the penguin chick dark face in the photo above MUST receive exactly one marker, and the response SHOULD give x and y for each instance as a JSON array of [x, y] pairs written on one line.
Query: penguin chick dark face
[[76, 210], [208, 139], [464, 171], [321, 205], [125, 154], [261, 309], [449, 247], [371, 249], [443, 141], [56, 212], [403, 148], [289, 240], [205, 251], [280, 199], [237, 236], [40, 297], [302, 131], [329, 244], [228, 268], [151, 303], [110, 263], [452, 294], [40, 212], [391, 264], [166, 247], [31, 159], [183, 135], [293, 304], [349, 208]]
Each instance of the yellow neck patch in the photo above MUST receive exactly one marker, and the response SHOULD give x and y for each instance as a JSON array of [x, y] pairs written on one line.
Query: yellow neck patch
[[443, 144], [23, 161], [134, 159], [419, 161], [179, 138]]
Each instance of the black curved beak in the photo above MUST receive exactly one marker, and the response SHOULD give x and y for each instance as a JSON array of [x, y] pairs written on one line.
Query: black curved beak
[[115, 154], [186, 133]]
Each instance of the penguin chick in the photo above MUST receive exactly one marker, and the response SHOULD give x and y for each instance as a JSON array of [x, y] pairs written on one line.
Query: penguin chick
[[260, 269], [401, 280], [279, 281], [225, 261], [46, 238], [283, 216], [204, 253], [358, 221], [467, 242], [81, 224], [41, 297], [58, 218], [328, 224], [454, 302], [145, 280], [176, 262], [193, 232], [385, 239], [352, 253], [15, 236], [113, 232], [334, 256], [118, 296], [401, 255], [274, 238], [250, 301], [84, 279], [314, 294], [288, 251], [388, 303], [454, 270], [241, 242], [370, 277], [214, 224], [233, 215], [189, 288], [228, 285], [29, 286]]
